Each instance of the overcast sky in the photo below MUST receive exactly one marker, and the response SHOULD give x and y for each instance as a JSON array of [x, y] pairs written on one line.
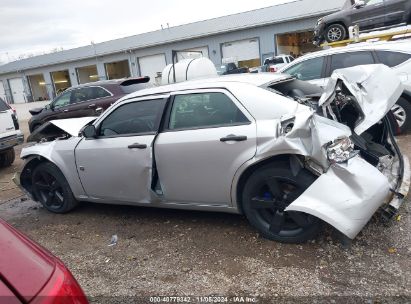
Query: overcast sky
[[35, 26]]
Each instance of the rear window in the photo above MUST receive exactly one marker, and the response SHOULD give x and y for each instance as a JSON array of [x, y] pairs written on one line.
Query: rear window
[[3, 106], [392, 59], [135, 87], [278, 60]]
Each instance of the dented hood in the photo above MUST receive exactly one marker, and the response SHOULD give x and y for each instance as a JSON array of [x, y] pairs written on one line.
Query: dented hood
[[56, 128], [72, 126], [375, 87]]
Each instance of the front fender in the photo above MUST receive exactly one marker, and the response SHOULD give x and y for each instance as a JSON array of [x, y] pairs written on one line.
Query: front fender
[[61, 154], [346, 196]]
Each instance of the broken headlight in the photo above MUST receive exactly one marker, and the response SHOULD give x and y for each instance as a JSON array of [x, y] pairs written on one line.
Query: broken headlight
[[341, 150], [286, 125]]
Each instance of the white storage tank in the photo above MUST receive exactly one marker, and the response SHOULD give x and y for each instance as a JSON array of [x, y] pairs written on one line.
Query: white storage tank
[[189, 69]]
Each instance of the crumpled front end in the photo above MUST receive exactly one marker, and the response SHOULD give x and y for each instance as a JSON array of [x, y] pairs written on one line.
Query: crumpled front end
[[351, 148]]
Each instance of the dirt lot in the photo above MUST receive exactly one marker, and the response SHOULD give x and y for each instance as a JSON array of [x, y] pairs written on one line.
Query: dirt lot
[[182, 253]]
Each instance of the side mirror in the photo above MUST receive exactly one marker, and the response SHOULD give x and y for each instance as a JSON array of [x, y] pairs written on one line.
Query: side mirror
[[89, 131], [359, 4]]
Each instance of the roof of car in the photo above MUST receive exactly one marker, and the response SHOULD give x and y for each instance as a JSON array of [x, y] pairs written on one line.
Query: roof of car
[[255, 79], [401, 46]]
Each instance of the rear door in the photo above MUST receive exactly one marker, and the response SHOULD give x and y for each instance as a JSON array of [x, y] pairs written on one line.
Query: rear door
[[116, 166], [369, 16], [208, 135], [395, 11]]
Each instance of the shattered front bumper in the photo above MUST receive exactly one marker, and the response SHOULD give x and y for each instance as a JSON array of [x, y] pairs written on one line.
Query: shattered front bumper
[[348, 195]]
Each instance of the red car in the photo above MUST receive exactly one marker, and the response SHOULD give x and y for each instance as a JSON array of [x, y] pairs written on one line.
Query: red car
[[31, 274]]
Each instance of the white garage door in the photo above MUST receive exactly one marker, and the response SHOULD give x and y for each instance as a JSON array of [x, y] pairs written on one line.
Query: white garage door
[[17, 90], [242, 51], [2, 91], [193, 53], [151, 65]]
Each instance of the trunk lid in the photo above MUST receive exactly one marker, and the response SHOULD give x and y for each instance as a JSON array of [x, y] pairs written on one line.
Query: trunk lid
[[25, 267]]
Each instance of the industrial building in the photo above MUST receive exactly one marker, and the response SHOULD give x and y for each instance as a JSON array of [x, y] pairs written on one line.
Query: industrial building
[[247, 37]]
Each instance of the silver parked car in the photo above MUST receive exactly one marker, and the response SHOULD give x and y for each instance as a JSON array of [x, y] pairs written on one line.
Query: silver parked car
[[265, 145]]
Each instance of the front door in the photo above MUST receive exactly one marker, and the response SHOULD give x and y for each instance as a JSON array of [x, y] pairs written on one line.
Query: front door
[[59, 107], [116, 165], [369, 16], [207, 137]]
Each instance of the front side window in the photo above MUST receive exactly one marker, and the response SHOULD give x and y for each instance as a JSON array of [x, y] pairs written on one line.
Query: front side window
[[392, 59], [347, 60], [203, 110], [307, 70], [62, 100], [133, 118]]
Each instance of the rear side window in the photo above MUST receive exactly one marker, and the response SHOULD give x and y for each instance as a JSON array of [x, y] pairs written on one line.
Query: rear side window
[[193, 111], [308, 69], [97, 92], [347, 60], [392, 59], [3, 106], [133, 118]]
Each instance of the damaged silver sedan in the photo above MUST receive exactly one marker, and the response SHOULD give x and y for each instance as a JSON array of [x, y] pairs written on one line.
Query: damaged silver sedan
[[265, 145]]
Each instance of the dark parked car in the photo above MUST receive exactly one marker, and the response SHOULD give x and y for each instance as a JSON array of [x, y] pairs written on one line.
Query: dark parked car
[[369, 14], [31, 274], [230, 68], [89, 99]]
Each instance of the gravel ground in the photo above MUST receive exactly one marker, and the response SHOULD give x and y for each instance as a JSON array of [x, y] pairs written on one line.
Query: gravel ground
[[182, 253]]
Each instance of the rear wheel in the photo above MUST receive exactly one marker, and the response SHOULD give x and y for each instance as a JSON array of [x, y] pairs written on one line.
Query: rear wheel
[[7, 157], [266, 195], [402, 113], [335, 32], [51, 188]]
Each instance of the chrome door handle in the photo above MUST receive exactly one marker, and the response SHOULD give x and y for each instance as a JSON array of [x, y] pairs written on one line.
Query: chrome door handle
[[66, 110], [137, 146], [92, 106], [232, 137]]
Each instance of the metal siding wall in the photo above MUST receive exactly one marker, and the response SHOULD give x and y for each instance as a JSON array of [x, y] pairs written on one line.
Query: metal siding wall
[[265, 34]]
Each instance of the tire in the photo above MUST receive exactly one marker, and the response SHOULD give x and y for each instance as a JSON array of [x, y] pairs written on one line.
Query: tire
[[267, 192], [7, 158], [335, 32], [51, 189], [402, 113]]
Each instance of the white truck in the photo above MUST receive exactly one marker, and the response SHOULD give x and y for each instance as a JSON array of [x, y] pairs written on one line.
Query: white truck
[[10, 134]]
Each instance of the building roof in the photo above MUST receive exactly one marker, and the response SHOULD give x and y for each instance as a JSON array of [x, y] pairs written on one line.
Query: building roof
[[298, 9]]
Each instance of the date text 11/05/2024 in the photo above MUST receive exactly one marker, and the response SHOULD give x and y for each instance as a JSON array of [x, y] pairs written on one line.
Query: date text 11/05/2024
[[202, 299]]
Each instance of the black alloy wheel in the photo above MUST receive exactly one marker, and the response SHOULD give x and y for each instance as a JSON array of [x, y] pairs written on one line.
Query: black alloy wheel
[[268, 192], [51, 189]]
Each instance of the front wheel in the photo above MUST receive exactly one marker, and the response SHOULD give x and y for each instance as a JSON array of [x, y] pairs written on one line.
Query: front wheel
[[335, 32], [266, 195], [51, 189]]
